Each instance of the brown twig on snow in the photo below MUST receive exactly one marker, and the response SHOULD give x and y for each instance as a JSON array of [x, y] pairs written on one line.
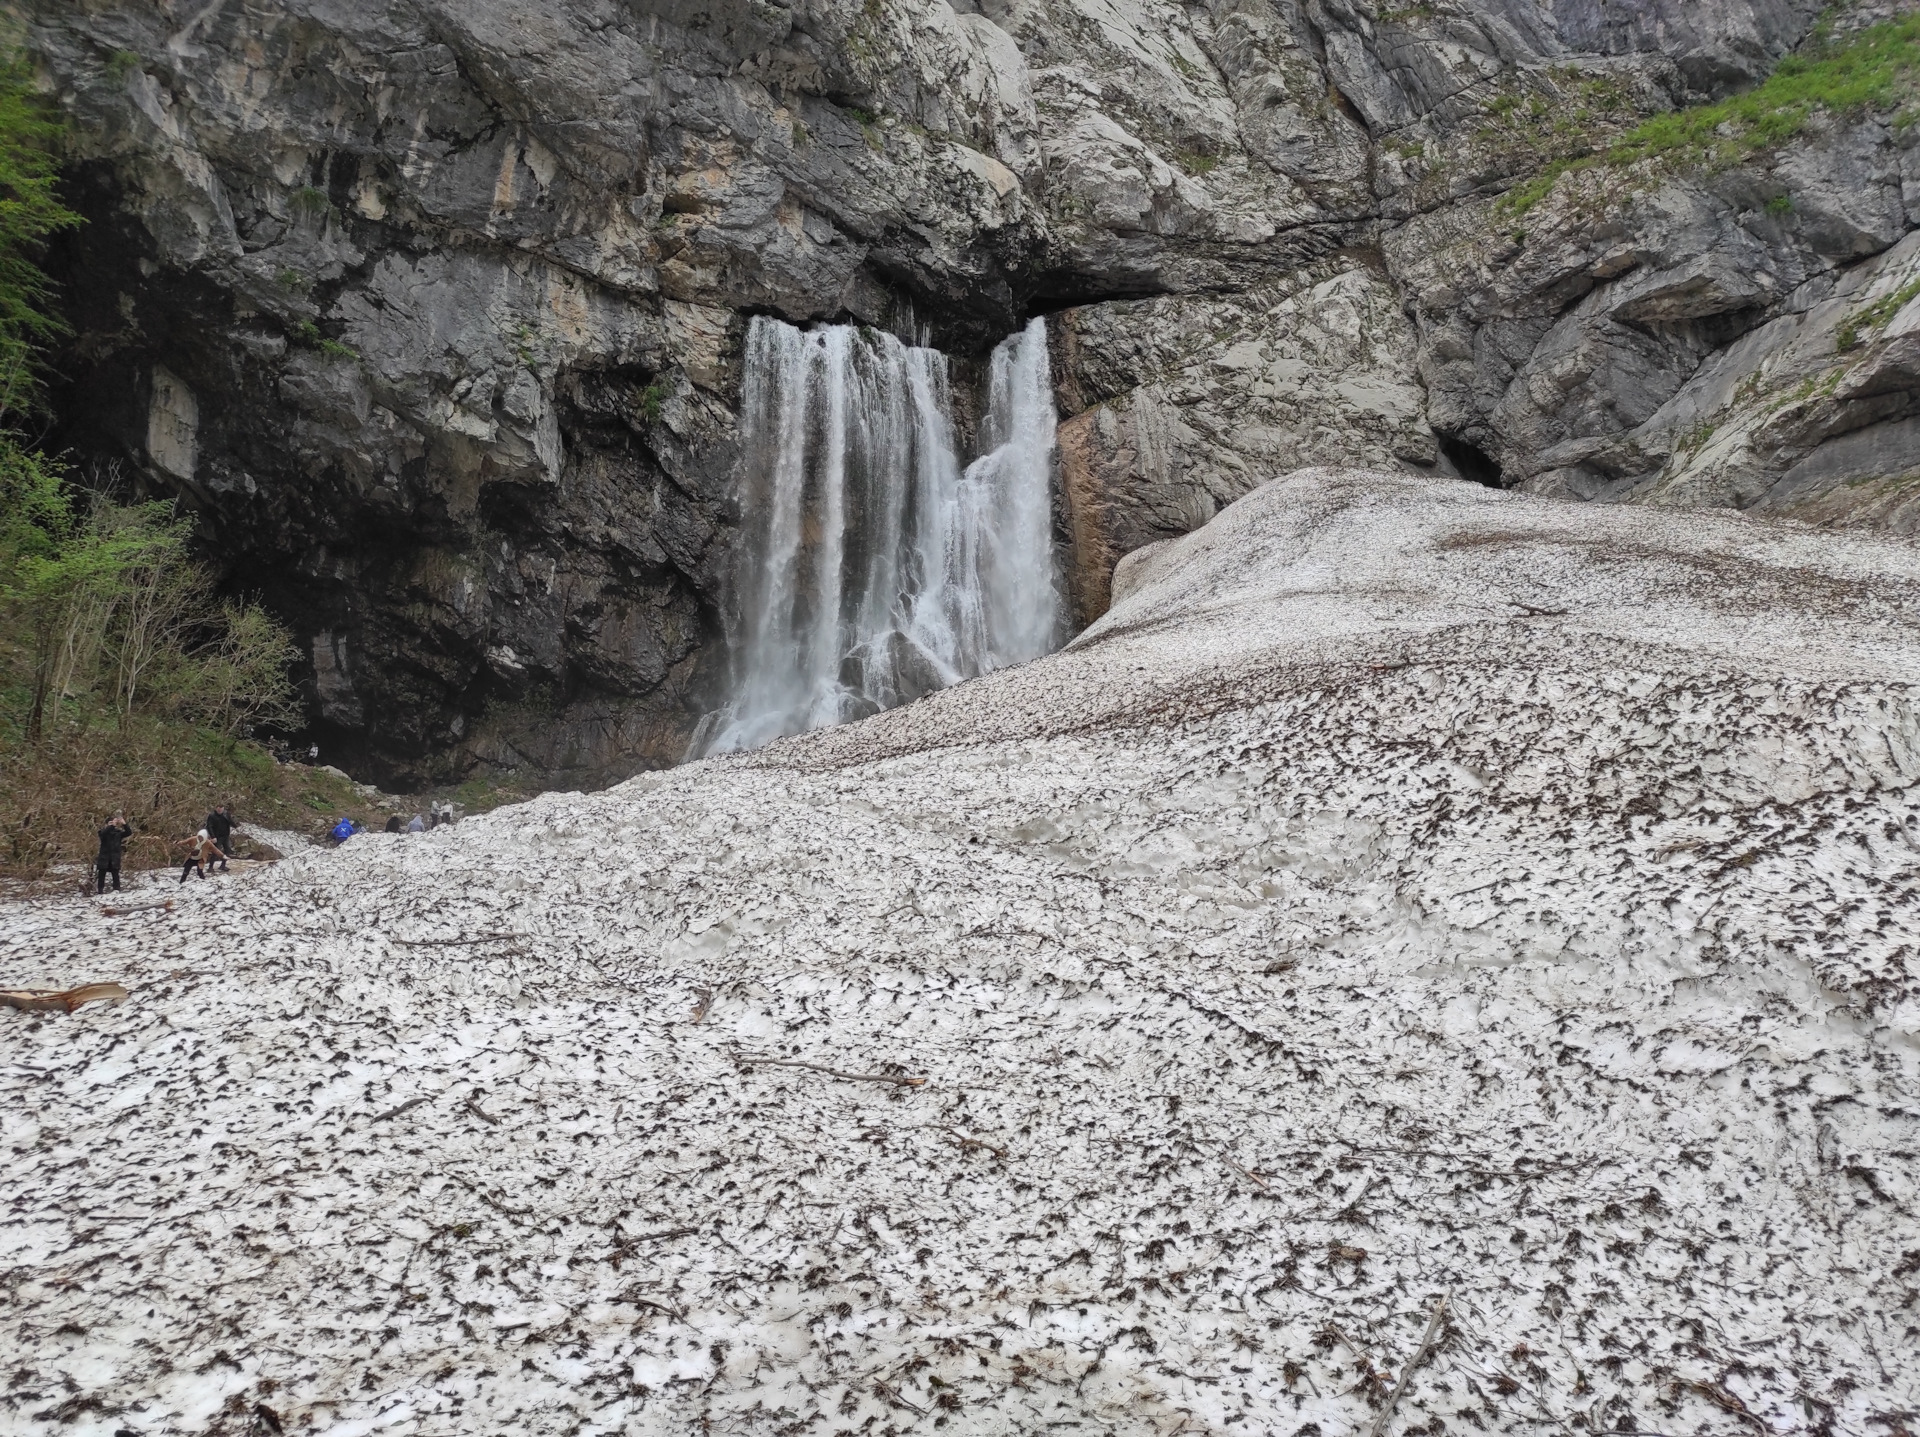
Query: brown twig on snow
[[166, 907], [459, 942], [1406, 1373], [897, 1079], [473, 1106], [638, 1301], [1249, 1174], [409, 1103], [967, 1142]]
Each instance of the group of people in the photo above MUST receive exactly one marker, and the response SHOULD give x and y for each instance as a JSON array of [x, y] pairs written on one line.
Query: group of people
[[435, 815], [212, 845]]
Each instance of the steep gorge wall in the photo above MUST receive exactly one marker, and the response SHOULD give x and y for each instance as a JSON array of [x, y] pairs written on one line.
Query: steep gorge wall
[[432, 308]]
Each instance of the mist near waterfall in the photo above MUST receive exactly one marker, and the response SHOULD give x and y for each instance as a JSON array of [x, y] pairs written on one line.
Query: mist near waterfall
[[872, 567]]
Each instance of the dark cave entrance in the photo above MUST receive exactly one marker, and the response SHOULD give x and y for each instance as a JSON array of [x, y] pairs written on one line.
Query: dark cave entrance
[[1472, 462]]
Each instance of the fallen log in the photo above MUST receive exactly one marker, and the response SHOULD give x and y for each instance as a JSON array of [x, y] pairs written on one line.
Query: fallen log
[[898, 1080], [43, 1000]]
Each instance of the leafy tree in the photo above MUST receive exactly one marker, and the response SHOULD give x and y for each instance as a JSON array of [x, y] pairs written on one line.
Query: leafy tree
[[103, 596], [30, 212]]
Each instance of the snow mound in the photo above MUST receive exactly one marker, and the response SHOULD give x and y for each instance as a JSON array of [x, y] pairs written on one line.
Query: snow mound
[[1406, 890]]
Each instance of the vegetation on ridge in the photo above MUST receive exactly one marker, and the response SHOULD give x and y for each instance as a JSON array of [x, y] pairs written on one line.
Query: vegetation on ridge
[[124, 679], [1877, 68]]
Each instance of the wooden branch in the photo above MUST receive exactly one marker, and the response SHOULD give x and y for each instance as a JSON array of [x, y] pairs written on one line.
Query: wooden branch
[[1381, 1422], [473, 1106], [967, 1142], [1249, 1174], [637, 1301], [894, 1078], [409, 1103], [41, 1000], [627, 1242]]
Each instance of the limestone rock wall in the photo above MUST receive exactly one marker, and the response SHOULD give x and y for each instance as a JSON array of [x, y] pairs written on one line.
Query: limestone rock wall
[[431, 308]]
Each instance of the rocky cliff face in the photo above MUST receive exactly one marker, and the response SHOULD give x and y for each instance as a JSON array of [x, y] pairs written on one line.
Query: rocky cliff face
[[432, 308]]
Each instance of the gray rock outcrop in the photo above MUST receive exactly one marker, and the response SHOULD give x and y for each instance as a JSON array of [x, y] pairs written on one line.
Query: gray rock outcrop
[[431, 309]]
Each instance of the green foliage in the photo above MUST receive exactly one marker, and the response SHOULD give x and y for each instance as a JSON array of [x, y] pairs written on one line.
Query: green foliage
[[334, 349], [1852, 329], [292, 279], [309, 203], [800, 136], [1876, 68], [106, 624], [116, 618], [1199, 164], [1780, 205], [121, 64], [30, 212], [651, 399]]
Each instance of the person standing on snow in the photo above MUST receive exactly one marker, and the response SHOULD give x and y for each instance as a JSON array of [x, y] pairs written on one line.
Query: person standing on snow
[[113, 843], [220, 829], [201, 851]]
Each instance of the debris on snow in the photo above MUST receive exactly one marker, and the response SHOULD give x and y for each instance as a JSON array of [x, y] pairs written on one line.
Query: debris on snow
[[1408, 888]]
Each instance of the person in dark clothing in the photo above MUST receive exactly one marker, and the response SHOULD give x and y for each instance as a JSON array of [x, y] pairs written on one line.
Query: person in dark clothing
[[113, 843], [393, 823], [220, 830]]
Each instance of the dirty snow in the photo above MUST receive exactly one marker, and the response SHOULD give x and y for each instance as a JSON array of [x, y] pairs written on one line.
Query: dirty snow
[[1407, 889]]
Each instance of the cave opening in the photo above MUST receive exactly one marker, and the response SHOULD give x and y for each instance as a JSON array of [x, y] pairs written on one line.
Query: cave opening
[[1472, 462]]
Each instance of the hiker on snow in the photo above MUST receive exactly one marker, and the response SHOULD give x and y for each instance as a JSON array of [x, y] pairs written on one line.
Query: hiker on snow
[[342, 831], [201, 851], [220, 829], [113, 842]]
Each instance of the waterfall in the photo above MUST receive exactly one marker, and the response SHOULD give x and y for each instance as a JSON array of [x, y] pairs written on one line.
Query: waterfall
[[872, 568]]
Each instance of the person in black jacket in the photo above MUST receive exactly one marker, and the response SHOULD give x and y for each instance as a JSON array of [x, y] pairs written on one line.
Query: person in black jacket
[[220, 830], [113, 843]]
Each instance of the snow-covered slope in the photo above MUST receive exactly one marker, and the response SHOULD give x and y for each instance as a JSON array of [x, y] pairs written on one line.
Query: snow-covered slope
[[1406, 890]]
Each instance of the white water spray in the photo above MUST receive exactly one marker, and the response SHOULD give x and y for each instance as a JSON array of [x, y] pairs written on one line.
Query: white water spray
[[872, 569]]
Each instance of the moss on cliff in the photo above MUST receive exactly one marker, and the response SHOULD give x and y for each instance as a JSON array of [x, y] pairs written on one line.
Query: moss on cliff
[[1876, 69]]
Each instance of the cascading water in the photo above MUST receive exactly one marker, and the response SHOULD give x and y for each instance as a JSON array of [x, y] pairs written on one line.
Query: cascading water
[[872, 568]]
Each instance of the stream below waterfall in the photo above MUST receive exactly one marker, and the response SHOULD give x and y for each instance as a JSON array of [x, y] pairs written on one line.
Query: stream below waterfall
[[874, 568]]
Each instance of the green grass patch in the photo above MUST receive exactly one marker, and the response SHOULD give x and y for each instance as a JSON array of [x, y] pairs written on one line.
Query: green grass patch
[[1875, 69], [310, 203], [1853, 329]]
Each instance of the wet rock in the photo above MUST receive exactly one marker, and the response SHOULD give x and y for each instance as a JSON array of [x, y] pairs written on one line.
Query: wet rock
[[433, 310]]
